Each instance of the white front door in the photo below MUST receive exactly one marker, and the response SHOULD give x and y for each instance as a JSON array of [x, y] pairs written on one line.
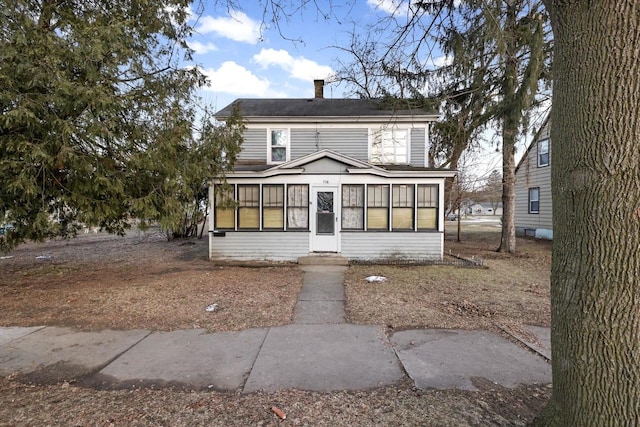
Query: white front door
[[324, 219]]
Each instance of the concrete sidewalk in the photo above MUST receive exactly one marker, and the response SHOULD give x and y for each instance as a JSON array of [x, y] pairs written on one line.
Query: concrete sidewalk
[[318, 351]]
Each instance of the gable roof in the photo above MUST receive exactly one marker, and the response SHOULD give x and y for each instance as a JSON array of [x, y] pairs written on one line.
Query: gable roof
[[320, 107], [533, 143], [309, 158]]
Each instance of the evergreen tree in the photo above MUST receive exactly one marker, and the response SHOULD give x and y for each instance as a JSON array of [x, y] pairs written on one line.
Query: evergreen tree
[[97, 111], [505, 44]]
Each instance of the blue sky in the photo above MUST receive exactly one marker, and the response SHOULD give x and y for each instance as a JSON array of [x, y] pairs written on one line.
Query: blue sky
[[245, 57]]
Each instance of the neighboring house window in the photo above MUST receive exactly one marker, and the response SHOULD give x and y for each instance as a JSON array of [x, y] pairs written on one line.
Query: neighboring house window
[[278, 145], [248, 207], [402, 212], [543, 152], [353, 207], [534, 200], [427, 207], [378, 207], [297, 207], [390, 146], [273, 207], [224, 213]]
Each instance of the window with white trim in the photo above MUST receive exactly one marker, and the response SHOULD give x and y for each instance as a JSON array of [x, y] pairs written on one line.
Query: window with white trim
[[543, 152], [248, 207], [278, 146], [297, 207], [402, 212], [390, 146], [353, 207], [273, 207], [427, 206], [534, 200], [378, 207], [224, 210]]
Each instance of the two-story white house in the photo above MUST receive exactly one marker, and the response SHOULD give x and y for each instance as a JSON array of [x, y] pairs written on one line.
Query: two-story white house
[[342, 176]]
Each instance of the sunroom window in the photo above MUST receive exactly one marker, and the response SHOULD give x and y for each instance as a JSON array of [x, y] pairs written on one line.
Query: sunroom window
[[402, 212], [353, 207], [225, 213], [273, 207], [378, 207], [297, 207], [249, 207], [427, 207]]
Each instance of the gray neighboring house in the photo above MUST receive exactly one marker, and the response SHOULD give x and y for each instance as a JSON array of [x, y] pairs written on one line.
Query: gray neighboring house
[[533, 188], [485, 209], [318, 176]]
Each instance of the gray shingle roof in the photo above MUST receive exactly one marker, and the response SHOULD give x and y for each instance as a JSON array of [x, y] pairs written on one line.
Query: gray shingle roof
[[316, 107]]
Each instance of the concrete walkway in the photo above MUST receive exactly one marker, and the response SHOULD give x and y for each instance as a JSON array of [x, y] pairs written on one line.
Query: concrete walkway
[[319, 351]]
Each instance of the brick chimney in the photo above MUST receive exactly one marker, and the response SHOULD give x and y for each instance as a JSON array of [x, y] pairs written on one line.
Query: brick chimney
[[319, 86]]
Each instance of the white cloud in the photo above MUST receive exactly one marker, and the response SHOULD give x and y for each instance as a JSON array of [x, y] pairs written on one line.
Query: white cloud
[[269, 57], [236, 80], [298, 68], [201, 48], [443, 60], [392, 7], [237, 26]]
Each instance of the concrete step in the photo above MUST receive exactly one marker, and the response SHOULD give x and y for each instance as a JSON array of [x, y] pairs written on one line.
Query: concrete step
[[323, 259]]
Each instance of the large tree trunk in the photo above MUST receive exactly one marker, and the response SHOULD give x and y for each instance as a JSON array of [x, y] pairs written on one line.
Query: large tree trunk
[[510, 119], [508, 238], [595, 278]]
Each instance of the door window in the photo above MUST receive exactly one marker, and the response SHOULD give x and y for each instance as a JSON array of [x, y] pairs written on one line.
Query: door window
[[325, 223]]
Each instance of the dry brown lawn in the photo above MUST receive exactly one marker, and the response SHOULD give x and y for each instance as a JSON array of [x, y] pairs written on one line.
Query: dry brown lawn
[[145, 282], [140, 282], [510, 291]]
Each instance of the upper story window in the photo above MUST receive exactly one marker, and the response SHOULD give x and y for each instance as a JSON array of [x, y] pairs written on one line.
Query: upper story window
[[543, 152], [278, 148], [390, 146]]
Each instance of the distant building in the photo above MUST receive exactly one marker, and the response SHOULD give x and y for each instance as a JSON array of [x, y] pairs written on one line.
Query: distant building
[[484, 208]]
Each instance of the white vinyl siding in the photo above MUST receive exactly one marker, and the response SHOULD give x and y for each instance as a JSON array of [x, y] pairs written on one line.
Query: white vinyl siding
[[282, 246], [254, 145], [273, 246], [350, 142], [417, 145], [392, 245]]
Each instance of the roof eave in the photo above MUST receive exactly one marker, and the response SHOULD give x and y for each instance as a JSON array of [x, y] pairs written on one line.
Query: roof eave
[[338, 119]]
